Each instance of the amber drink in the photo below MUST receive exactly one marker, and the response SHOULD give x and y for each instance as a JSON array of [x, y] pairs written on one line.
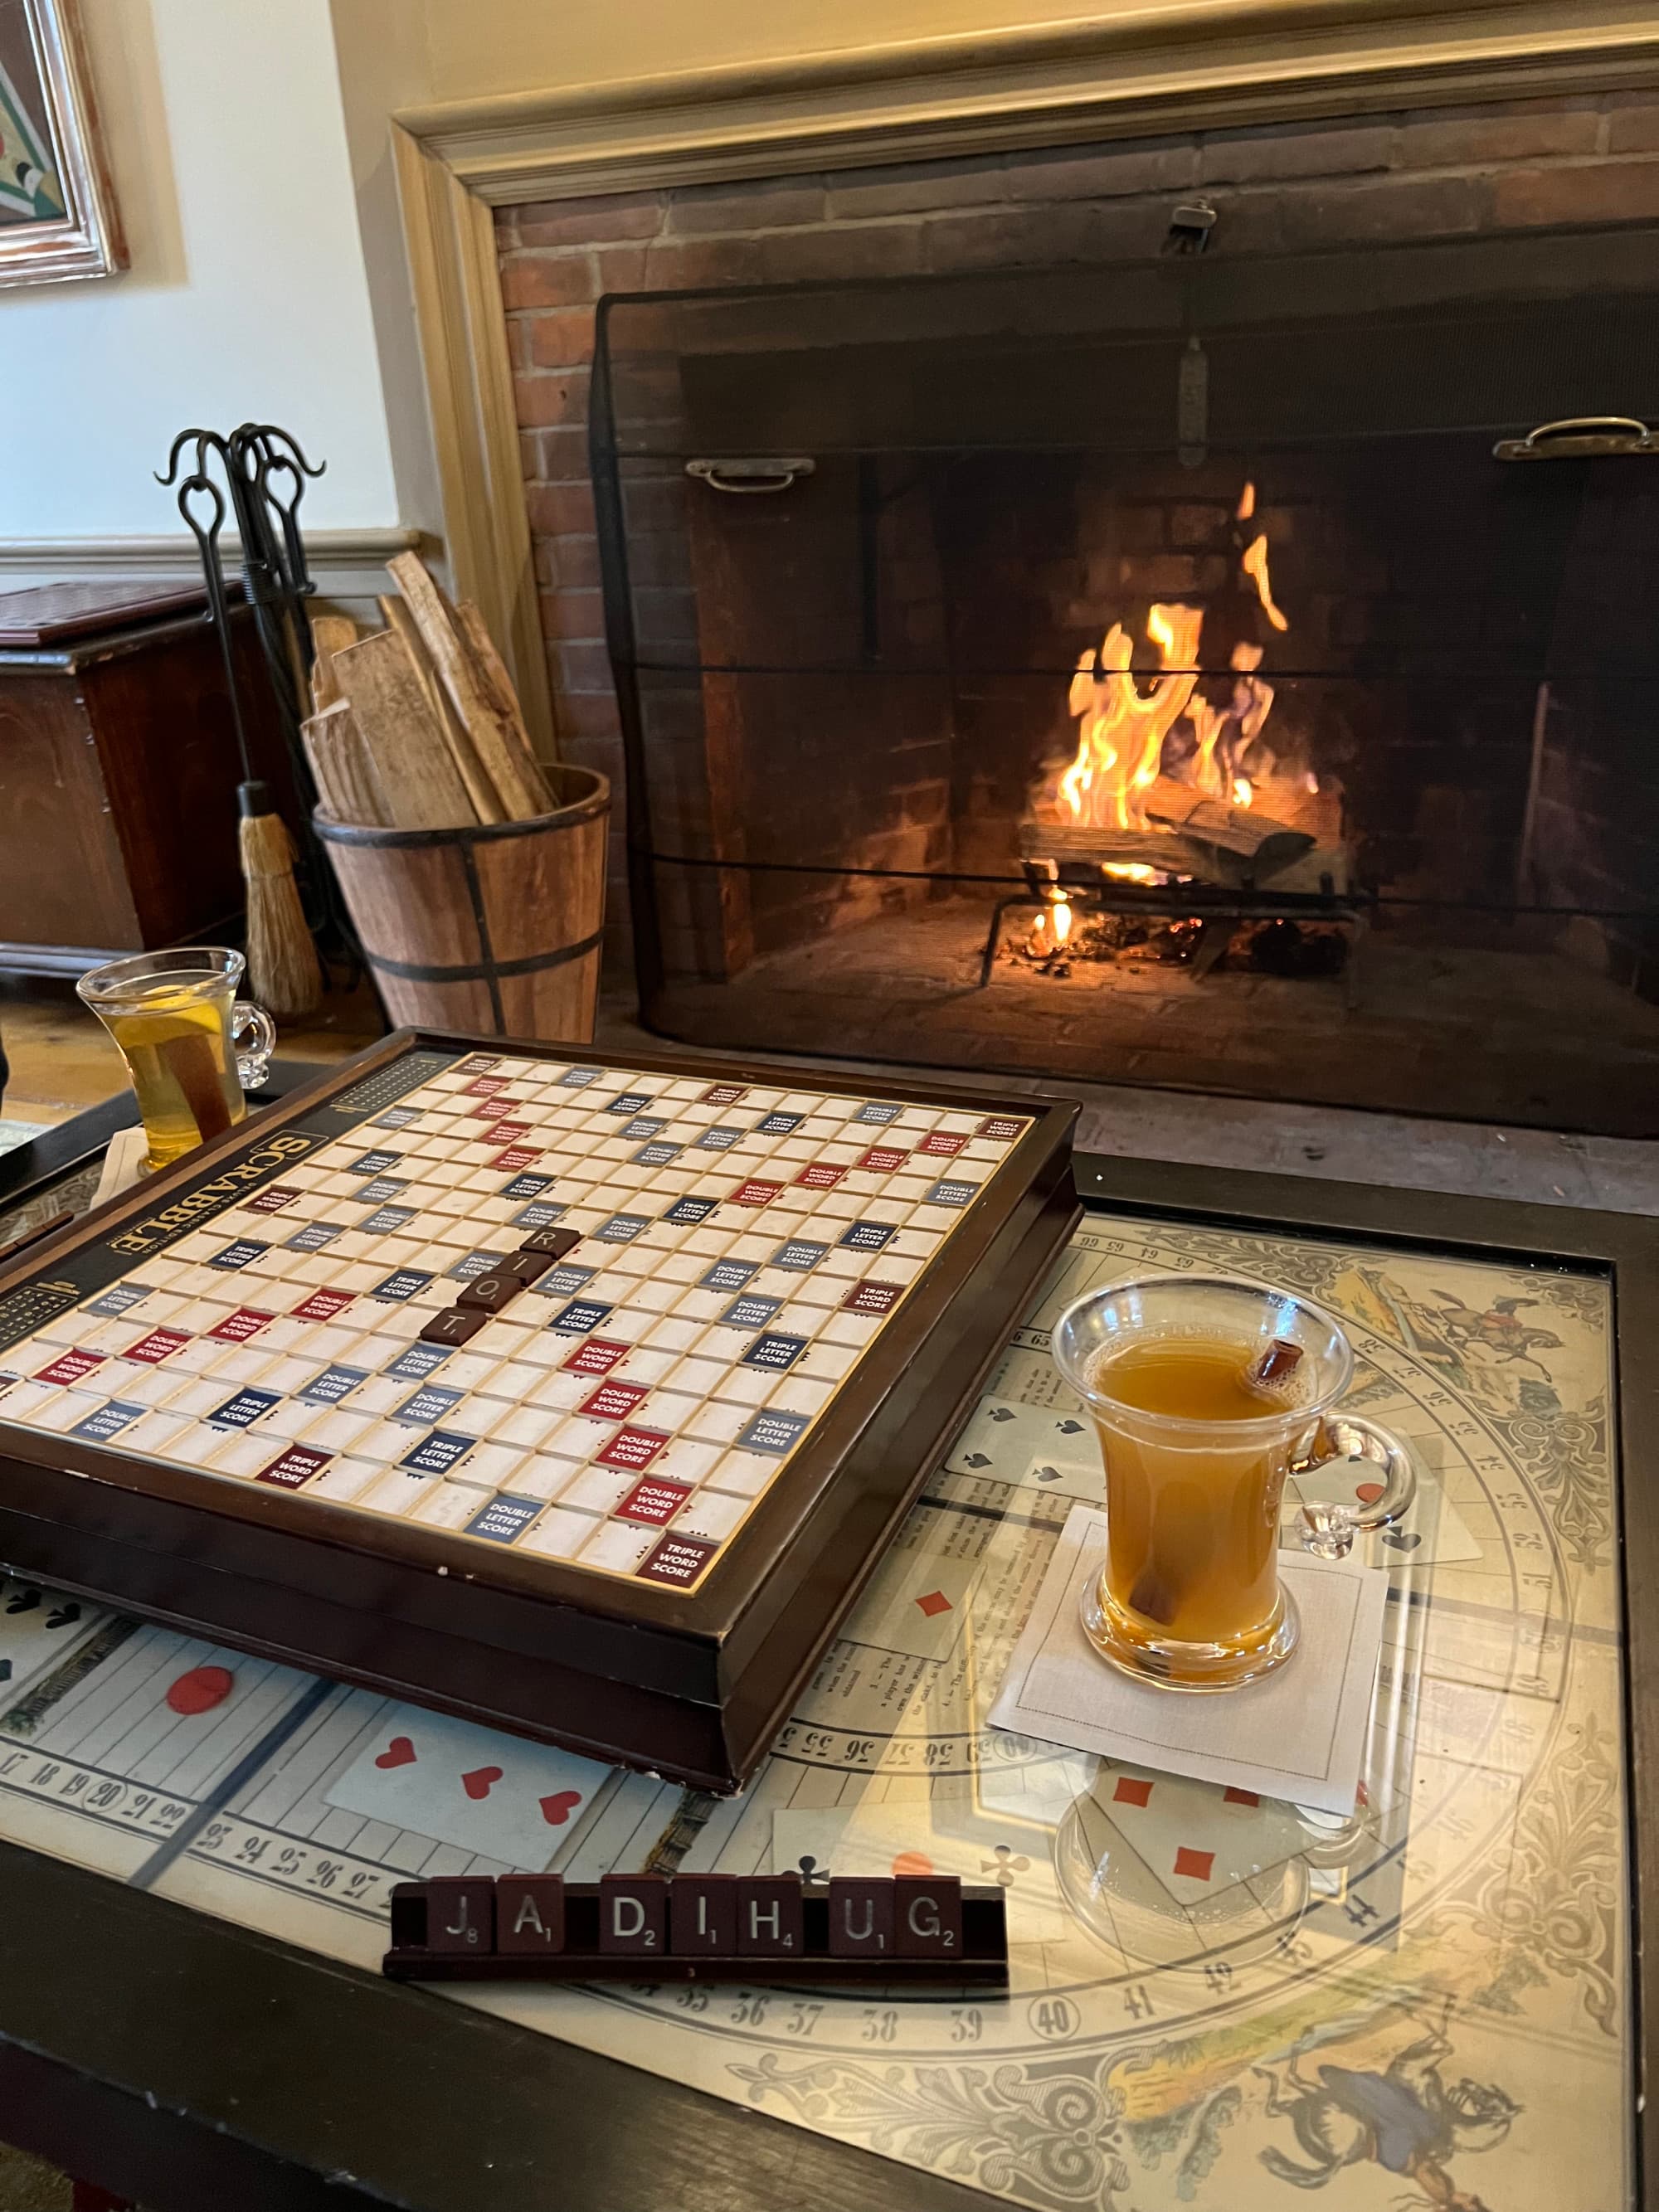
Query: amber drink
[[177, 1020], [1204, 1394]]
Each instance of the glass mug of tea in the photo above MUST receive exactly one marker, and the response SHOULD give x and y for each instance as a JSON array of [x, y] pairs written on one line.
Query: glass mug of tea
[[1207, 1395], [189, 1043]]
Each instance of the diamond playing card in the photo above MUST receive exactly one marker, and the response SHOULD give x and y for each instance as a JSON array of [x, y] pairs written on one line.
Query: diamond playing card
[[1299, 1735]]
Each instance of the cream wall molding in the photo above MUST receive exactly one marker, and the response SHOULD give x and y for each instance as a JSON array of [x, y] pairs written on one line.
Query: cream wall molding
[[345, 564], [1138, 71]]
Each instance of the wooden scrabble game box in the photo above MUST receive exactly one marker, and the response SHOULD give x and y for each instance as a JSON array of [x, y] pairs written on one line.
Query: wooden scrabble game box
[[575, 1396]]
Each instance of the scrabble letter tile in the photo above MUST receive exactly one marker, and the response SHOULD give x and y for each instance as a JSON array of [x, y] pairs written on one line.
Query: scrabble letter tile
[[461, 1913], [860, 1916], [455, 1325], [927, 1916], [703, 1915], [530, 1912], [633, 1913], [769, 1920]]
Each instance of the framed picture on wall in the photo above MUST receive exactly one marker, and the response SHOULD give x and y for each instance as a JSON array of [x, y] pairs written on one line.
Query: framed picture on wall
[[57, 217]]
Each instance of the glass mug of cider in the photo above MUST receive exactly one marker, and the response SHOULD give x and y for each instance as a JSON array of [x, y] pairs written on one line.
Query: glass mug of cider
[[189, 1043], [1207, 1395]]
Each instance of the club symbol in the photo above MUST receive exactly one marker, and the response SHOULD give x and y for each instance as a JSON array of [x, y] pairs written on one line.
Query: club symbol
[[809, 1869], [1005, 1864]]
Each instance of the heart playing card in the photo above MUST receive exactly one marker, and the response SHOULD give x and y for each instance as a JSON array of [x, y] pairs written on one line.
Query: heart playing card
[[492, 1794]]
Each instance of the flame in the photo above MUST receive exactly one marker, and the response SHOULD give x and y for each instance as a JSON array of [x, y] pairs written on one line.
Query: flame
[[1132, 872], [1060, 922], [1121, 743], [1244, 791]]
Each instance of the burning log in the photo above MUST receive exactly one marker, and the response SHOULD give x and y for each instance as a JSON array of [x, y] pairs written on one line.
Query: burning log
[[1189, 833]]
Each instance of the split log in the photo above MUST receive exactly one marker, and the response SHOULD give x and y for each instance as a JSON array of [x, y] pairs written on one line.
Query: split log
[[415, 767], [482, 698], [344, 775]]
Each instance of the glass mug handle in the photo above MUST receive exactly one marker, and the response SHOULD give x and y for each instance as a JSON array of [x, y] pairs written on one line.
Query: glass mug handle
[[252, 1039], [1345, 1441]]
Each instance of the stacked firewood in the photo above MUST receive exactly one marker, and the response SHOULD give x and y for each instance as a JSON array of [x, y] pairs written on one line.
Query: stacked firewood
[[417, 727]]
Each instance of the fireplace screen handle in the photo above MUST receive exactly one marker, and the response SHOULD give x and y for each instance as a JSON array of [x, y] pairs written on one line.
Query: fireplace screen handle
[[750, 476], [1580, 437]]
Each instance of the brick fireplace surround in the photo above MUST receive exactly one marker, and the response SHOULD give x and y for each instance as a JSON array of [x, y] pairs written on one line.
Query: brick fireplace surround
[[1435, 173]]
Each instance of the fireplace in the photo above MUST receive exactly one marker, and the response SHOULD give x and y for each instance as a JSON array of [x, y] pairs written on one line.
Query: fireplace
[[850, 492]]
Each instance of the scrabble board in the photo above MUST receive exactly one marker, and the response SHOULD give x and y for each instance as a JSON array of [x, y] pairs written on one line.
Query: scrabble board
[[574, 1395]]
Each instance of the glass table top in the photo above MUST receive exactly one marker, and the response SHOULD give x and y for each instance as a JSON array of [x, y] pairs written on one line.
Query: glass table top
[[1423, 2006]]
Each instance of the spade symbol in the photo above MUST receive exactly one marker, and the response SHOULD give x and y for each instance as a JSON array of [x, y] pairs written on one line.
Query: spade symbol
[[24, 1602], [1047, 1473], [1070, 1428], [64, 1616], [1002, 1414], [974, 1459]]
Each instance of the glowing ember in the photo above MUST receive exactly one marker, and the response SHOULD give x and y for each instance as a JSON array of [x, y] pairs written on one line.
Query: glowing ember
[[1244, 791], [1132, 872], [1060, 922]]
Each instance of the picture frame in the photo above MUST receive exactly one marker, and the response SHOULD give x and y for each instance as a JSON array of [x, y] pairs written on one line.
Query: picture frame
[[59, 220]]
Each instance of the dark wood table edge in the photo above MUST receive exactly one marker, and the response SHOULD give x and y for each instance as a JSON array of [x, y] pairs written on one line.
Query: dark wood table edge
[[181, 2059]]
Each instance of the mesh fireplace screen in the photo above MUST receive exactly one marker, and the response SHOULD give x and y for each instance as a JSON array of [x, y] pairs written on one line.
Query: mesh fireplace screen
[[1192, 671]]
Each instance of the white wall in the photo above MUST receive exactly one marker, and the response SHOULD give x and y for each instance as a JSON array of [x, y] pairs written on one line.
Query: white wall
[[246, 297]]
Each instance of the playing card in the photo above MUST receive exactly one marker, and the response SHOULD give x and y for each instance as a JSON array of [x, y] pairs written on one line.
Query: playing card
[[490, 1793], [1197, 1839], [37, 1627], [1044, 1447], [917, 1599], [937, 1834], [1431, 1532]]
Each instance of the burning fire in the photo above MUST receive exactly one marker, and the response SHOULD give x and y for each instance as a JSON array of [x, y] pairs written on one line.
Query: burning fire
[[1123, 726]]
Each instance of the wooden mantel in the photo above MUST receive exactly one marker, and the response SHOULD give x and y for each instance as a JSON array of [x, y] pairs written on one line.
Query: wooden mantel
[[1135, 69]]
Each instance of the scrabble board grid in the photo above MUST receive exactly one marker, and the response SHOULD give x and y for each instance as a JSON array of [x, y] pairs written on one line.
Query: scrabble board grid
[[646, 1425]]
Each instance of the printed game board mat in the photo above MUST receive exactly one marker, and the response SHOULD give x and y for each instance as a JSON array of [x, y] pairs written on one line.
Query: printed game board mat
[[567, 1347], [1216, 2001]]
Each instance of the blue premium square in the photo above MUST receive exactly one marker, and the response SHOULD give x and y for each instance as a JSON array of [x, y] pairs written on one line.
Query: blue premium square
[[526, 1186], [777, 1352], [503, 1519], [578, 1078], [799, 1255], [868, 1236], [562, 1282], [656, 1156], [879, 1110], [315, 1235], [242, 1411], [749, 1313], [642, 1126], [726, 1275], [627, 1102], [239, 1254], [429, 1404], [578, 1317], [372, 1164], [622, 1228], [332, 1384], [720, 1138], [438, 1452], [774, 1431], [402, 1283], [385, 1219], [475, 1264], [108, 1421], [120, 1298], [687, 1212], [397, 1117], [778, 1125], [542, 1213], [382, 1187], [952, 1193], [416, 1361]]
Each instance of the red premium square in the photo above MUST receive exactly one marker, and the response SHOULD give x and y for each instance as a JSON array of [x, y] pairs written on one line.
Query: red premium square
[[1131, 1791], [884, 1158], [69, 1367], [296, 1466], [237, 1328], [723, 1094], [161, 1344], [485, 1087], [872, 1298], [757, 1193], [272, 1201], [1002, 1130], [679, 1560], [322, 1305], [613, 1401], [1196, 1864], [821, 1175], [509, 1132], [941, 1145], [491, 1109], [597, 1355], [653, 1502], [517, 1155], [632, 1447]]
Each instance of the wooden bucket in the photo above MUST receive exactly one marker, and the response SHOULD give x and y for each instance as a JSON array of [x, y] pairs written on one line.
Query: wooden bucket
[[495, 929]]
